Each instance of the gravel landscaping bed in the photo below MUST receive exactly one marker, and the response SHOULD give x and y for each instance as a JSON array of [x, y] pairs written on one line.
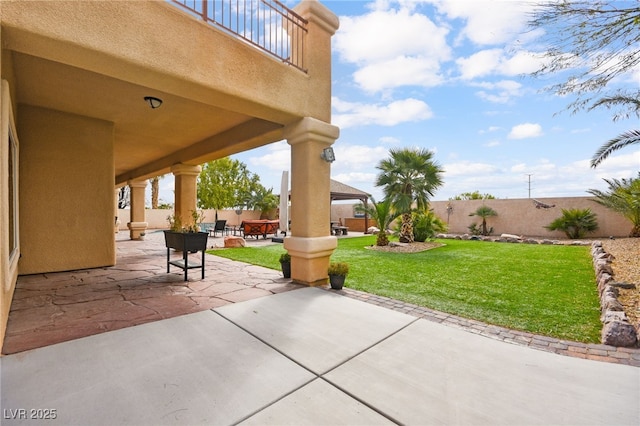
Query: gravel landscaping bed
[[626, 268]]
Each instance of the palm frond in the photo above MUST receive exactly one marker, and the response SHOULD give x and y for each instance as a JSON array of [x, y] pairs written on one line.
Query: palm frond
[[625, 139]]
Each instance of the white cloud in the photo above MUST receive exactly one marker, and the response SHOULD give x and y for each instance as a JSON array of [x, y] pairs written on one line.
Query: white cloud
[[497, 62], [525, 131], [277, 157], [398, 72], [490, 129], [479, 64], [503, 91], [492, 143], [351, 114], [467, 168], [487, 22], [392, 48]]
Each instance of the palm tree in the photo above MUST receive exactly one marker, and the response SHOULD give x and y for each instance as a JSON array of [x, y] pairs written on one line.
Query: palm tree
[[623, 197], [409, 176], [575, 223], [624, 139], [484, 212], [383, 214], [155, 191]]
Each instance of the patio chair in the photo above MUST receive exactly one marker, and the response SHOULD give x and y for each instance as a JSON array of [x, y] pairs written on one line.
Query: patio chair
[[220, 226]]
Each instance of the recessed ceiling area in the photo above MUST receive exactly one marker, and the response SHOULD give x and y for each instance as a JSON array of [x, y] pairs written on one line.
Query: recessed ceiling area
[[142, 134]]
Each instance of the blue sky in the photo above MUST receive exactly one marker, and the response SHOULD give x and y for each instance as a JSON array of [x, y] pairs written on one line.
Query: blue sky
[[452, 77]]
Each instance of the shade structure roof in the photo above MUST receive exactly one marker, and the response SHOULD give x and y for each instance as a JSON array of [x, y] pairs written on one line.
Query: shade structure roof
[[341, 191]]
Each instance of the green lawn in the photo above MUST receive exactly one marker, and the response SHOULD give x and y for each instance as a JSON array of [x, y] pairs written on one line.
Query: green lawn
[[542, 289]]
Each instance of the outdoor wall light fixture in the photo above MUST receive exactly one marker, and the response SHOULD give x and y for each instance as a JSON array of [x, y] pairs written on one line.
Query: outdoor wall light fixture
[[153, 102], [328, 155]]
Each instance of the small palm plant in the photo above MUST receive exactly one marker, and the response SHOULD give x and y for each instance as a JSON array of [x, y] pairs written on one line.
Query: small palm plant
[[575, 223], [484, 212], [426, 225], [383, 214]]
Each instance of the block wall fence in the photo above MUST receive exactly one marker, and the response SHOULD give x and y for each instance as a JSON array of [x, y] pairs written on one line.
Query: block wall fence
[[516, 216]]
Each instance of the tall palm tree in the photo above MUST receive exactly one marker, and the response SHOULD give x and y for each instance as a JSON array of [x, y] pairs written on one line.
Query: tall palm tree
[[155, 191], [383, 214], [409, 176], [623, 197]]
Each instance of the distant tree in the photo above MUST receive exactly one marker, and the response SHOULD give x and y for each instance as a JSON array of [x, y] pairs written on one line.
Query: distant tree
[[155, 191], [484, 212], [475, 195], [623, 197], [598, 41], [123, 197], [409, 176], [262, 199], [382, 212], [223, 183], [575, 223]]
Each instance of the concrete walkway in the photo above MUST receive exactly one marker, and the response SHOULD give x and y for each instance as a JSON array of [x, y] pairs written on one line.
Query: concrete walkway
[[309, 356]]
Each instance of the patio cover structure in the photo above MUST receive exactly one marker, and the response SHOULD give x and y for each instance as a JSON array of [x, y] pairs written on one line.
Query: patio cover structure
[[77, 122], [341, 191]]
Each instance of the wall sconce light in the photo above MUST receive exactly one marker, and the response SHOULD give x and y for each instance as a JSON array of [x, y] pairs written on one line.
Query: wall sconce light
[[153, 102], [328, 155]]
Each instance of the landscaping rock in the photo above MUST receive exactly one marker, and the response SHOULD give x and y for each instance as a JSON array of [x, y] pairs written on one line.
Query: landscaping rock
[[232, 242], [619, 333], [510, 236]]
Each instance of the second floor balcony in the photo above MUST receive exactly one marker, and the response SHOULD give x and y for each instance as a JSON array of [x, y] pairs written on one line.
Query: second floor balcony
[[266, 24]]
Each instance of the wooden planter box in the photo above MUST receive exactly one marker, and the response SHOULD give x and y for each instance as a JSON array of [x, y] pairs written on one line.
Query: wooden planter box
[[186, 242]]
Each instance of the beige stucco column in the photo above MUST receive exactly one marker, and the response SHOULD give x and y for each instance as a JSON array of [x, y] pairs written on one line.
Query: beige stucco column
[[138, 219], [310, 244], [186, 190]]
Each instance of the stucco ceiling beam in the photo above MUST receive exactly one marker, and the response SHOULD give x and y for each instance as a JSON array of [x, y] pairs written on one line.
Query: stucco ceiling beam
[[246, 136]]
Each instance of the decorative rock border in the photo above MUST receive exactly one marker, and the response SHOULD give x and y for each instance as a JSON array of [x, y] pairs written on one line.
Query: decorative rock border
[[511, 238], [616, 328]]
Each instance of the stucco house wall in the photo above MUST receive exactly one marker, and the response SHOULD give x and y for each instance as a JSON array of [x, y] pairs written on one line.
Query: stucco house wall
[[66, 162]]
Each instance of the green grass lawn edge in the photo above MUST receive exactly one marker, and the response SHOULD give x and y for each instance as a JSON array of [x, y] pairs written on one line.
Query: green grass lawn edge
[[548, 290]]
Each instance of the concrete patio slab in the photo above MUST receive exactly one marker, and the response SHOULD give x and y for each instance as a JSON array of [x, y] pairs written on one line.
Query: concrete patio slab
[[193, 369], [310, 356], [433, 374], [316, 328], [317, 403]]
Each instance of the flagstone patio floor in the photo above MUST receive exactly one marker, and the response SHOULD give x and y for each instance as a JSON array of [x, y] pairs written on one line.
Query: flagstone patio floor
[[56, 307]]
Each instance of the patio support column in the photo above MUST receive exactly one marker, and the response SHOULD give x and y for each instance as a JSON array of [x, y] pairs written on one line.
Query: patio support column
[[138, 220], [186, 190], [311, 243]]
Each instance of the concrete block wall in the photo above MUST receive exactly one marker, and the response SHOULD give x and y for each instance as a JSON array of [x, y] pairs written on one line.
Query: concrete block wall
[[517, 216]]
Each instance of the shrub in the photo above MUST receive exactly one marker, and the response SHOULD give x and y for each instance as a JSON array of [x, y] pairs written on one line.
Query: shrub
[[575, 223], [426, 225], [285, 258]]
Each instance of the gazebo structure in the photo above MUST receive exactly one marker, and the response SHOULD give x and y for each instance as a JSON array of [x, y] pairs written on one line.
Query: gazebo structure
[[341, 191]]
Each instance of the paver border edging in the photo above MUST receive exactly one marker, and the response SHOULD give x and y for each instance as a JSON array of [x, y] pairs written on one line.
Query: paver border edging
[[596, 352]]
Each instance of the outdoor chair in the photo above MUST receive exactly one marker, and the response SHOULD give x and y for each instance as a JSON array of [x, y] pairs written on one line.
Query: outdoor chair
[[220, 226]]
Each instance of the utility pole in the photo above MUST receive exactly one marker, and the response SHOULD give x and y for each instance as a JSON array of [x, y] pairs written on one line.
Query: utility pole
[[529, 178]]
